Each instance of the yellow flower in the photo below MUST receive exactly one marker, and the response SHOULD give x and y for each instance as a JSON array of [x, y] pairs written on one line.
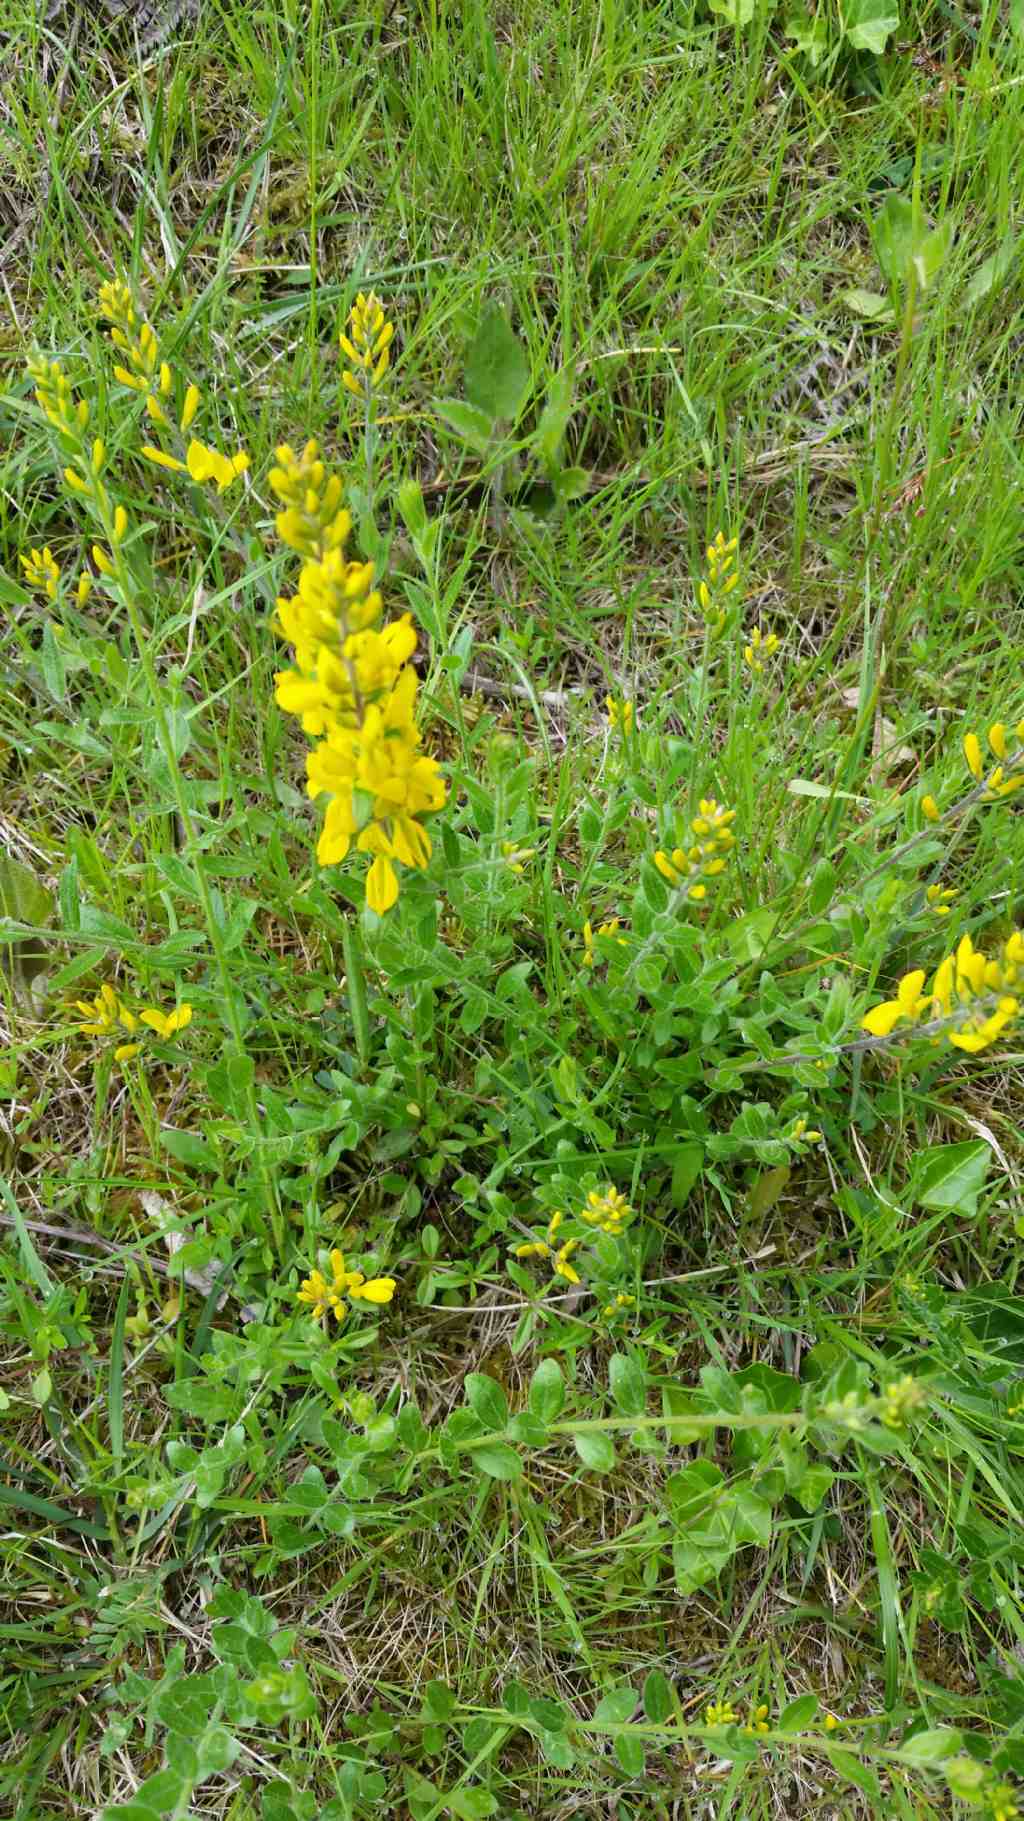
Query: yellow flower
[[105, 1013], [1000, 1799], [206, 464], [54, 397], [368, 345], [900, 1400], [515, 858], [42, 571], [758, 1722], [610, 932], [84, 589], [622, 1301], [801, 1134], [909, 1004], [535, 1248], [620, 713], [323, 1295], [562, 1267], [188, 411], [999, 782], [166, 1024], [939, 900], [930, 808], [125, 1051], [762, 646], [720, 1713], [976, 996]]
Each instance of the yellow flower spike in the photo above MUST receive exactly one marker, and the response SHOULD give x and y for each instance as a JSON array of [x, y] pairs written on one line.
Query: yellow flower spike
[[972, 753], [997, 739], [720, 1713], [193, 399], [930, 809]]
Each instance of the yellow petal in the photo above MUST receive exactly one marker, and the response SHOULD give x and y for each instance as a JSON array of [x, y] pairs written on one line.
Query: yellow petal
[[881, 1018], [997, 739], [377, 1290], [381, 885], [972, 753]]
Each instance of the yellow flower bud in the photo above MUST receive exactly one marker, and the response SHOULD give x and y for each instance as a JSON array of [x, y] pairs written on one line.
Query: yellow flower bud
[[930, 808], [75, 481], [972, 753], [120, 524], [102, 560], [191, 406], [99, 453], [997, 739]]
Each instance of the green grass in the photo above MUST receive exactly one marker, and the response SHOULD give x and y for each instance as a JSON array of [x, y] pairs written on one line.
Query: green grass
[[233, 1552]]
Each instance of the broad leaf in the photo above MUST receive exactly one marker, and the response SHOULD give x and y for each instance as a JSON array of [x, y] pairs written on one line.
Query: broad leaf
[[497, 368], [950, 1176]]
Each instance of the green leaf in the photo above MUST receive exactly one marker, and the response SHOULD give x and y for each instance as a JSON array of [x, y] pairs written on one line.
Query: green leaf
[[217, 1751], [930, 252], [658, 1701], [812, 1487], [810, 36], [869, 304], [497, 368], [869, 24], [735, 12], [950, 1177], [858, 1773], [895, 233], [547, 1391], [554, 420], [596, 1450], [628, 1384], [24, 900], [932, 1746], [631, 1755], [439, 1703], [992, 273], [499, 1460], [471, 1804], [798, 1714], [474, 427], [54, 673], [487, 1400], [766, 1191], [615, 1707]]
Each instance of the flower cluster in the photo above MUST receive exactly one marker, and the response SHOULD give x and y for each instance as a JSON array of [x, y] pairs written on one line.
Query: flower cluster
[[352, 687], [107, 1016], [618, 1304], [591, 937], [720, 1713], [939, 900], [762, 645], [607, 1210], [706, 856], [141, 369], [972, 998], [1008, 774], [558, 1254], [620, 713], [42, 571], [720, 580], [367, 346], [516, 857], [327, 1295]]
